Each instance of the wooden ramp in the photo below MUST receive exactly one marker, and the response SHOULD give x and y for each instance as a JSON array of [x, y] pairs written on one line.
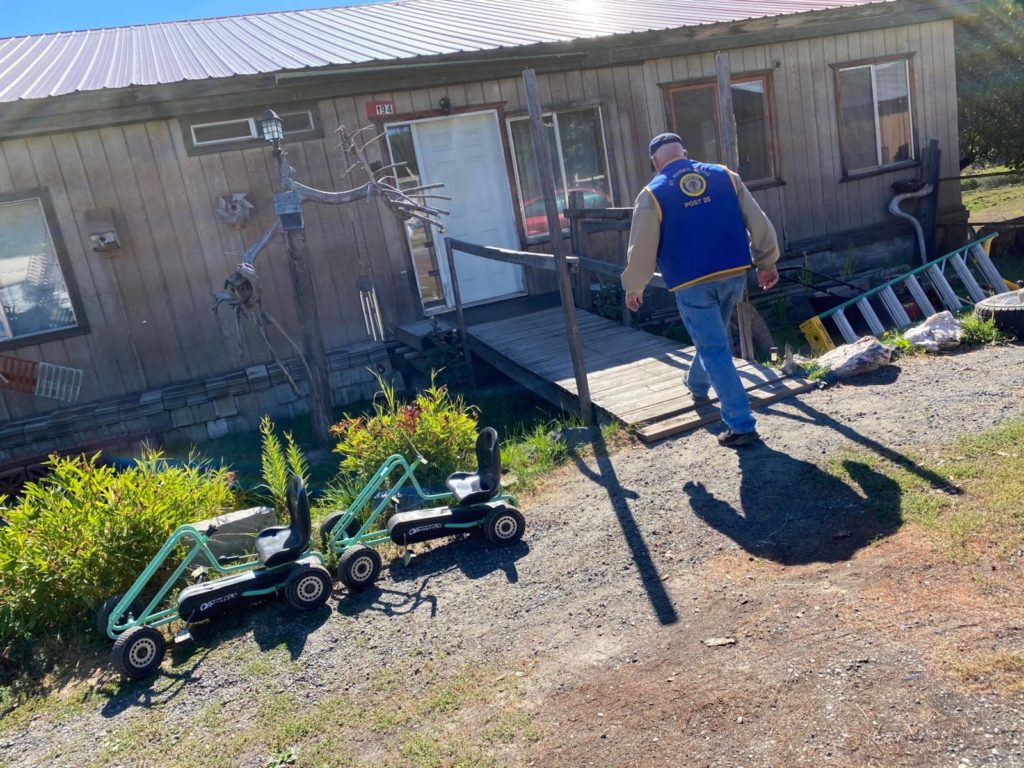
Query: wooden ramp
[[634, 376]]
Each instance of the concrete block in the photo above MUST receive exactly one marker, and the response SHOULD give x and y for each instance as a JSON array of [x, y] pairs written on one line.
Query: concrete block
[[182, 417], [233, 533], [216, 387], [224, 407], [151, 402], [258, 376], [285, 394], [217, 428], [202, 413]]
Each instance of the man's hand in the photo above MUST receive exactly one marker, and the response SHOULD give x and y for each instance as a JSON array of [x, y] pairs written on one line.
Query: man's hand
[[633, 301], [767, 278]]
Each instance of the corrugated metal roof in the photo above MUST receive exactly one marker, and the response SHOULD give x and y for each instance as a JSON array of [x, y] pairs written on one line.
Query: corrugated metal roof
[[39, 66]]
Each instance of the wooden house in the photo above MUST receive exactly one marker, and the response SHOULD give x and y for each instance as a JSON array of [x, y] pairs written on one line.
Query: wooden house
[[133, 174]]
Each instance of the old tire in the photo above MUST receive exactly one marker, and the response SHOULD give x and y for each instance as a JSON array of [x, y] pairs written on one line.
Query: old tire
[[1006, 309], [328, 525], [138, 652], [358, 567], [504, 527], [103, 614], [308, 588]]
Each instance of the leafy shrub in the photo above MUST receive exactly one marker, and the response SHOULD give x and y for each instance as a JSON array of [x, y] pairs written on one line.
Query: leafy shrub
[[608, 301], [440, 428], [978, 332], [85, 532], [279, 462]]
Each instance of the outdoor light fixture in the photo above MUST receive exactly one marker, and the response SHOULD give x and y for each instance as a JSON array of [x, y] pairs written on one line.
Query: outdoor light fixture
[[271, 125], [446, 105]]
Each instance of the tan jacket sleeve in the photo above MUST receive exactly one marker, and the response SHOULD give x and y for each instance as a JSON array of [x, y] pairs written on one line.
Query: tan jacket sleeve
[[764, 244], [642, 253]]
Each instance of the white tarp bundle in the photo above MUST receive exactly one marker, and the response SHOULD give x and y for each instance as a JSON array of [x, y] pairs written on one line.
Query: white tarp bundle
[[940, 331]]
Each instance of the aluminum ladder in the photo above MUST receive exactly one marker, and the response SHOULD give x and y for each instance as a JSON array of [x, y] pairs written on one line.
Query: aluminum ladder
[[934, 274]]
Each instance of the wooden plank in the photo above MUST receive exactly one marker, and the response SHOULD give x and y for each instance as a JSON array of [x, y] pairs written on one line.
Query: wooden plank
[[690, 421]]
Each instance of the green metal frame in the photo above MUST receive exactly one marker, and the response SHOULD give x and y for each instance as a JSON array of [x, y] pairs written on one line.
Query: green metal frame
[[154, 617], [338, 541]]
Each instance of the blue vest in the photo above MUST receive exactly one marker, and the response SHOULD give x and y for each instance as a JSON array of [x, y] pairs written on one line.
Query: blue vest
[[703, 235]]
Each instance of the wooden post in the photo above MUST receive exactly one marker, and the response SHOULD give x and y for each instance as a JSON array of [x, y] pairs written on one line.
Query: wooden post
[[731, 159], [730, 151], [547, 184], [460, 316], [309, 317], [579, 248]]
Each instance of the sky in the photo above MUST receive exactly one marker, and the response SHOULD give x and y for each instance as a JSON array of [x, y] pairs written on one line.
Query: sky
[[30, 17]]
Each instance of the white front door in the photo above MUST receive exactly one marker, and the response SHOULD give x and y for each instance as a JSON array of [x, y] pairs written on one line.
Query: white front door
[[464, 153]]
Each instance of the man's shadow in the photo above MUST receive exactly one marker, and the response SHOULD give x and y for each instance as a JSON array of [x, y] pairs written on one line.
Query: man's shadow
[[793, 512]]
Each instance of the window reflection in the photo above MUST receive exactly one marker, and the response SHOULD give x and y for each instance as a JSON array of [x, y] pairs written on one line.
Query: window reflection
[[33, 295]]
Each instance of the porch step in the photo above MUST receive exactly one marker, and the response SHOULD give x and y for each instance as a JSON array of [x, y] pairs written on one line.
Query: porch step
[[416, 335]]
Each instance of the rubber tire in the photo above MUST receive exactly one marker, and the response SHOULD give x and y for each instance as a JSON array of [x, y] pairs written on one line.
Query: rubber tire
[[138, 652], [103, 614], [299, 583], [1008, 317], [328, 525], [358, 567], [504, 527]]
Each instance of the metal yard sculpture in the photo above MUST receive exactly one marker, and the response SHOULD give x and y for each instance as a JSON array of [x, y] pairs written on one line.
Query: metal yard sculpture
[[242, 289]]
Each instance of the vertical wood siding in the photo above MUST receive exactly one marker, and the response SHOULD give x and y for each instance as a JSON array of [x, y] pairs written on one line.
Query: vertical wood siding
[[149, 305]]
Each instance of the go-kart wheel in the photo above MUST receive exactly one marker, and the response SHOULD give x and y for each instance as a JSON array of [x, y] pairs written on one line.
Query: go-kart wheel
[[138, 652], [308, 588], [504, 526], [358, 567], [332, 520], [103, 614]]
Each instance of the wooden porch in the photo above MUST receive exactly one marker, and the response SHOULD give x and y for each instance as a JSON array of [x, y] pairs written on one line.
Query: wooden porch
[[635, 377]]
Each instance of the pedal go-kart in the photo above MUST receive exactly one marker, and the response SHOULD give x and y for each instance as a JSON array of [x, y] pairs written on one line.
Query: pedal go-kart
[[283, 563], [475, 501]]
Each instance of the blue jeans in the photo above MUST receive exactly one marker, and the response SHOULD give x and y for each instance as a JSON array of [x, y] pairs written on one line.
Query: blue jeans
[[706, 309]]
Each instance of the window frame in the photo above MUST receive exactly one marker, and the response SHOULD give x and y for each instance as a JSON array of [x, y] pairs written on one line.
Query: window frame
[[63, 262], [766, 76], [255, 139], [519, 199], [877, 170]]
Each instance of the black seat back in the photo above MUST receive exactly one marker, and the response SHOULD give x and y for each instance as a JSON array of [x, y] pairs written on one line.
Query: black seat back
[[488, 458], [300, 526]]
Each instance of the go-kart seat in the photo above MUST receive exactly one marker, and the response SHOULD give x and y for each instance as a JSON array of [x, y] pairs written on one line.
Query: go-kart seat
[[285, 543], [482, 485]]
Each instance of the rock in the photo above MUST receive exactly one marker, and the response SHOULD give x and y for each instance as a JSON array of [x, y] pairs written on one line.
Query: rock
[[940, 331], [574, 436], [235, 532], [864, 355], [713, 642]]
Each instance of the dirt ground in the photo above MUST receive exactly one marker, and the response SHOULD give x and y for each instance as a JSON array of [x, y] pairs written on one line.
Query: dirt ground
[[841, 630]]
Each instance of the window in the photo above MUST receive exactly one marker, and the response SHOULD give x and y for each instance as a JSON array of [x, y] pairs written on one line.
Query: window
[[233, 132], [875, 121], [34, 297], [578, 160], [693, 112]]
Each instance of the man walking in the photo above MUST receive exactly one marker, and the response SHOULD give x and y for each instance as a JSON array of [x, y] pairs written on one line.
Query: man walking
[[701, 227]]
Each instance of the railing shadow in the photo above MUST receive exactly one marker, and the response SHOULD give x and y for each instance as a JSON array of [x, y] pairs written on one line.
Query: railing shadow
[[606, 477]]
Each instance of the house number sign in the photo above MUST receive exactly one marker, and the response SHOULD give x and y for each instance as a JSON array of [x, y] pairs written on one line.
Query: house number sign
[[378, 109]]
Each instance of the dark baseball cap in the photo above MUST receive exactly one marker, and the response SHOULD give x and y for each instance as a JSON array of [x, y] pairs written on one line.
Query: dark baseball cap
[[664, 138]]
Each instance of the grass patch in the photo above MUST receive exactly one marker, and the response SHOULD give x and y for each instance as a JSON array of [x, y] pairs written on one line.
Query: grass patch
[[414, 712], [984, 515], [1002, 672]]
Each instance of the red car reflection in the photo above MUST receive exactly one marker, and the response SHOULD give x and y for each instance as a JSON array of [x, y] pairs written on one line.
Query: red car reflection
[[537, 219]]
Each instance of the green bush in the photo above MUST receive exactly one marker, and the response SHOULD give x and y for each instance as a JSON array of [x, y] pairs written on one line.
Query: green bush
[[279, 462], [439, 427], [85, 532], [978, 332]]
